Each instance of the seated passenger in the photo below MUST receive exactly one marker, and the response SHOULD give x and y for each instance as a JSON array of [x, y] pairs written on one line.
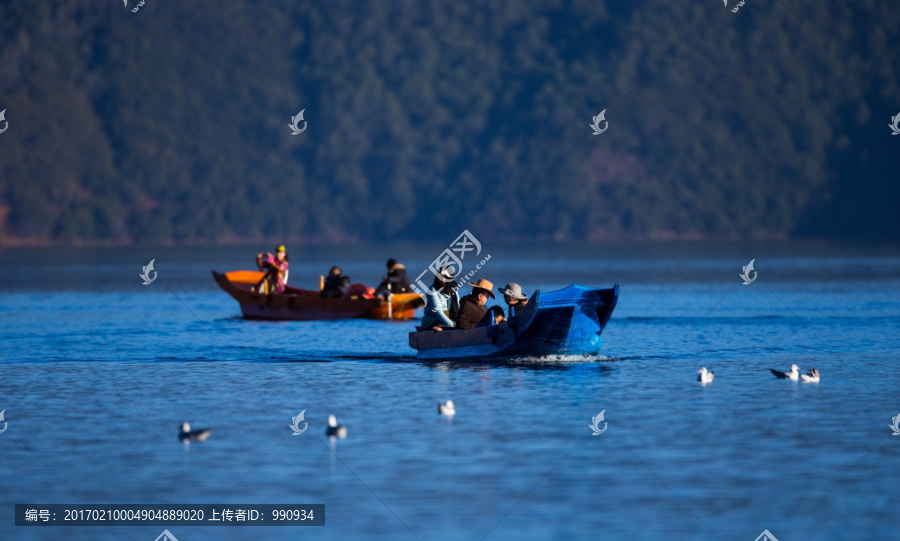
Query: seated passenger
[[395, 281], [471, 307], [441, 303], [276, 268], [514, 298], [336, 283], [493, 316], [496, 313]]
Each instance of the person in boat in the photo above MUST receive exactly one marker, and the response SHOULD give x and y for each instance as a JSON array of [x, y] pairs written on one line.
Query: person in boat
[[472, 307], [336, 283], [441, 303], [514, 298], [493, 316], [395, 281], [276, 269]]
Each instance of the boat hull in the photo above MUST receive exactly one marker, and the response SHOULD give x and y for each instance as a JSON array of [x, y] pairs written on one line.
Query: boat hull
[[565, 322], [307, 305]]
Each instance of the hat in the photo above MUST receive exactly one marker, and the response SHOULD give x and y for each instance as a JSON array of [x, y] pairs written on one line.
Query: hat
[[281, 249], [513, 290], [486, 285]]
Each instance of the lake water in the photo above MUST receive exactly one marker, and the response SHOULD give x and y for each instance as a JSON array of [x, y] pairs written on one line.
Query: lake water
[[98, 372]]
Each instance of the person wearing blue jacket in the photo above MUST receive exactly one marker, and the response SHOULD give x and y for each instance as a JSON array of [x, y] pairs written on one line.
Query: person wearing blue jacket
[[441, 303]]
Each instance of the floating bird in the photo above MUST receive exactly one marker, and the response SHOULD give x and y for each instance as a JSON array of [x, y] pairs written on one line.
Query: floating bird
[[705, 377], [811, 376], [447, 409], [335, 430], [793, 375], [187, 434]]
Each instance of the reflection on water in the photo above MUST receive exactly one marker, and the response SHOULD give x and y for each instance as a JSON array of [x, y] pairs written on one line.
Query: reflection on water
[[98, 374]]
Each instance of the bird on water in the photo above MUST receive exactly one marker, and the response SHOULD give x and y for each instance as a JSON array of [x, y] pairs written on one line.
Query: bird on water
[[793, 375], [335, 430], [187, 434]]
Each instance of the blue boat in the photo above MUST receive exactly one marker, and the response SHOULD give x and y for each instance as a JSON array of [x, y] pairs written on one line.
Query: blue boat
[[568, 321]]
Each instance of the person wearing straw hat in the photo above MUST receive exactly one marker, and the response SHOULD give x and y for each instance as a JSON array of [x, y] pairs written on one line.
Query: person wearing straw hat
[[514, 298], [441, 302], [472, 306]]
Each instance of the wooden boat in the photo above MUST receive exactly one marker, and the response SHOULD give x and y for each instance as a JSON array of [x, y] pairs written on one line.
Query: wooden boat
[[305, 304], [564, 322]]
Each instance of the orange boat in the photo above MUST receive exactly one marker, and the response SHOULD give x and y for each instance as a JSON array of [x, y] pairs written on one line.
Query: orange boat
[[306, 304]]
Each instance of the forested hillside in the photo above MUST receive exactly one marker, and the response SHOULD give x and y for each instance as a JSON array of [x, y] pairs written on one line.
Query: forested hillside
[[428, 117]]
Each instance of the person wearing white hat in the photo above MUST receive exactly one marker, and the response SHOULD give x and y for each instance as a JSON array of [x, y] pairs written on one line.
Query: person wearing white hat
[[441, 302], [514, 297]]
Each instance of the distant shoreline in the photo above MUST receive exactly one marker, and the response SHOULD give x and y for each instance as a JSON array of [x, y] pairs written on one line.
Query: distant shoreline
[[349, 242], [667, 236]]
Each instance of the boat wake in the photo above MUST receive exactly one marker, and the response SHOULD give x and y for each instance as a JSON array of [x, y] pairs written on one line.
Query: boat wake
[[559, 359]]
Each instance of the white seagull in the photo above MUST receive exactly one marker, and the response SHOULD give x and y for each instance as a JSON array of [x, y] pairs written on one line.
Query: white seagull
[[705, 377], [793, 375], [447, 408], [335, 430], [187, 434], [811, 376]]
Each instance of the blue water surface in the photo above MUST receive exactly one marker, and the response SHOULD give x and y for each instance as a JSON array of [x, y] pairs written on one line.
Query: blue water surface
[[99, 371]]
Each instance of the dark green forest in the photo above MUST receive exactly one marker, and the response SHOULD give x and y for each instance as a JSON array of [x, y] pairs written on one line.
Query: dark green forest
[[426, 117]]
